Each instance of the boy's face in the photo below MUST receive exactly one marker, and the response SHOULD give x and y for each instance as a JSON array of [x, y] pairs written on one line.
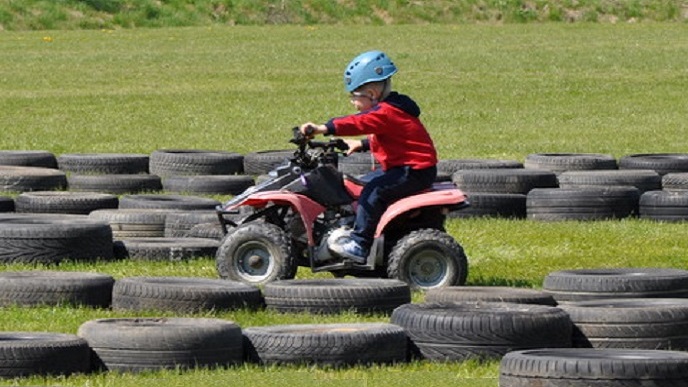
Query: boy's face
[[362, 100]]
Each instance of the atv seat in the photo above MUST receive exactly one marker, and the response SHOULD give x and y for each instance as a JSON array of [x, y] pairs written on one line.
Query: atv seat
[[354, 185]]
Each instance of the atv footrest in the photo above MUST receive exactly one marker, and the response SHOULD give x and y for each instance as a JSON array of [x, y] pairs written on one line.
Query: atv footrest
[[342, 265]]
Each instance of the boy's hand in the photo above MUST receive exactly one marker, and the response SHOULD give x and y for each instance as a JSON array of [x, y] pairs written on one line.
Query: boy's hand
[[354, 146], [310, 129]]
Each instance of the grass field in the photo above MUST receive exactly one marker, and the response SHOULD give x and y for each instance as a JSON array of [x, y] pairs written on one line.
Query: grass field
[[487, 91]]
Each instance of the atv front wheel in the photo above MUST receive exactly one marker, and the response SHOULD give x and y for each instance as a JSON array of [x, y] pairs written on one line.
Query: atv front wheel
[[256, 253], [428, 258]]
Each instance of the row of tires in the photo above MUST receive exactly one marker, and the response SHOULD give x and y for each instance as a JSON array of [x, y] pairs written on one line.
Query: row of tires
[[87, 171], [332, 295], [454, 323], [520, 335], [577, 203], [513, 193], [52, 238], [580, 204], [187, 162], [168, 162], [145, 227], [193, 294], [634, 308], [177, 171], [141, 344]]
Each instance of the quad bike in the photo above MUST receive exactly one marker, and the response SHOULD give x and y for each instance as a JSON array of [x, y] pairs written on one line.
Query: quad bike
[[290, 220]]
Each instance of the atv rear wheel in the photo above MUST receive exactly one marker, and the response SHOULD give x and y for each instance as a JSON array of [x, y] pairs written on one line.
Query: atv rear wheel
[[256, 253], [428, 258]]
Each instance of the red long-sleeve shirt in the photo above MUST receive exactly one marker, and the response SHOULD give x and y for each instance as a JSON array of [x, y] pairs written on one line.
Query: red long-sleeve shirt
[[395, 133]]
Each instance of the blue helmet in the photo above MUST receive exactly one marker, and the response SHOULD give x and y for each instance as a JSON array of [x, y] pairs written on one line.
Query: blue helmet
[[371, 66]]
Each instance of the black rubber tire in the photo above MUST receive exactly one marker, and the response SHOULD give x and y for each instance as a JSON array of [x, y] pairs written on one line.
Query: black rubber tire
[[327, 344], [655, 323], [30, 288], [178, 224], [183, 294], [666, 206], [428, 258], [179, 162], [207, 230], [134, 222], [267, 247], [23, 179], [115, 183], [27, 354], [595, 284], [140, 344], [489, 294], [6, 204], [28, 158], [581, 367], [175, 202], [51, 238], [262, 162], [662, 163], [64, 202], [582, 204], [449, 166], [675, 182], [643, 180], [509, 180], [483, 330], [208, 184], [166, 249], [365, 296], [103, 163], [561, 162], [497, 205], [358, 163]]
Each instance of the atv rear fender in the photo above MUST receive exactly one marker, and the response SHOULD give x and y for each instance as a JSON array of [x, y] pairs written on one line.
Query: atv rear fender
[[441, 195]]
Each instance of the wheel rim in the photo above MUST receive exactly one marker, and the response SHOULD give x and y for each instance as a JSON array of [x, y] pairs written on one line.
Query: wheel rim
[[428, 269], [254, 262]]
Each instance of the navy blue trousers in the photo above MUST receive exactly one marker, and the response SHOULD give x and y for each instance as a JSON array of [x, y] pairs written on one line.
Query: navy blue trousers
[[383, 189]]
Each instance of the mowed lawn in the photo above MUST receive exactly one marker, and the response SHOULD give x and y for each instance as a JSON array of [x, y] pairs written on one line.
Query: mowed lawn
[[487, 91]]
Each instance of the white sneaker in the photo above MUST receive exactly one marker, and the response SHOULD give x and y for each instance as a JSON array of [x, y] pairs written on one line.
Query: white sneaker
[[350, 249]]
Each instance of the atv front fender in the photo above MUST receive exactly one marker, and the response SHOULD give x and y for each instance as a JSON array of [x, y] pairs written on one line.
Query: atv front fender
[[307, 208], [444, 197]]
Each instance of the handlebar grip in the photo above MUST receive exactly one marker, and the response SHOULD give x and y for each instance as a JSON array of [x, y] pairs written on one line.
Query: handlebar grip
[[310, 129], [297, 137]]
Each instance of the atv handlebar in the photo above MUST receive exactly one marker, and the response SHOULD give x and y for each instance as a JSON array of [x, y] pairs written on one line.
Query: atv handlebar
[[304, 140]]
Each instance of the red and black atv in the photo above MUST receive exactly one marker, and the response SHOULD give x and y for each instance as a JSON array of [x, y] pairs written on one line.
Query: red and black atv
[[290, 219]]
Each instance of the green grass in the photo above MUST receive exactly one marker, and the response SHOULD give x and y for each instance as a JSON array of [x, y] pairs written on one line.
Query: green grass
[[469, 374], [485, 91], [490, 91]]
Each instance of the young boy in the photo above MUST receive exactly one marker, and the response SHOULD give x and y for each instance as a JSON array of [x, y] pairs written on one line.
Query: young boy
[[395, 136]]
